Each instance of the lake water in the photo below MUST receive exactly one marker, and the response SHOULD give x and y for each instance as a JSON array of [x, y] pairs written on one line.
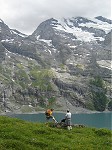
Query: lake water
[[99, 120]]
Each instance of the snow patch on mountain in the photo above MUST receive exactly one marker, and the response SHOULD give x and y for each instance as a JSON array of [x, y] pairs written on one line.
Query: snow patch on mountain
[[18, 33], [79, 33], [105, 64], [98, 25], [72, 46], [73, 26], [37, 37], [8, 40], [49, 42]]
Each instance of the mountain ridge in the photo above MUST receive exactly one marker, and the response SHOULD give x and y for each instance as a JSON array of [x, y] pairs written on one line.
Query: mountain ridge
[[57, 60]]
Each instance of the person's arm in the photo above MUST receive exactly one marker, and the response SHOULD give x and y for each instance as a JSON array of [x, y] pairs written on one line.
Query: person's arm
[[51, 114], [66, 116]]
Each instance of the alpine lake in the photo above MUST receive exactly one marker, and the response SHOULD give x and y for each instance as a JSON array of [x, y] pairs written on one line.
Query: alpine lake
[[98, 120]]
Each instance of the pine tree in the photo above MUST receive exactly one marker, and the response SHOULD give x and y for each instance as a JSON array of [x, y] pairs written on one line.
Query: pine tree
[[99, 94]]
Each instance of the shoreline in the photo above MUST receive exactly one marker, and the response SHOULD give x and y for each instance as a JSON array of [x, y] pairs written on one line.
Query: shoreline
[[38, 112]]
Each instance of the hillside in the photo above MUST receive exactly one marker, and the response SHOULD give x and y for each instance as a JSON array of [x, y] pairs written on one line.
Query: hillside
[[56, 66], [21, 135]]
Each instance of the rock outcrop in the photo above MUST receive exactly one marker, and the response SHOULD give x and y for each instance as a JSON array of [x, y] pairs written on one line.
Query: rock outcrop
[[54, 65]]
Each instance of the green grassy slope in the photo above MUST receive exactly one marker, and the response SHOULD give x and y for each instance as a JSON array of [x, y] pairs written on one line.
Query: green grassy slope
[[17, 134]]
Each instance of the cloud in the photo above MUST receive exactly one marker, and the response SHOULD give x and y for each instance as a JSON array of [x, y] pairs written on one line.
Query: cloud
[[26, 15]]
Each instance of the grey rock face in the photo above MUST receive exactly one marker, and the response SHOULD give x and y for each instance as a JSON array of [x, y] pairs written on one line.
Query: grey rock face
[[4, 31], [104, 19], [9, 34], [73, 49], [2, 53], [108, 40]]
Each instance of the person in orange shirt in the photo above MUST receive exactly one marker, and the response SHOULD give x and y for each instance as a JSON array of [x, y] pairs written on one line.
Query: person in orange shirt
[[49, 115]]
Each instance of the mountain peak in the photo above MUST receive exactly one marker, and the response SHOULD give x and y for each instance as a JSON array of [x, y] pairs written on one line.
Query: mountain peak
[[103, 19], [80, 28], [1, 21]]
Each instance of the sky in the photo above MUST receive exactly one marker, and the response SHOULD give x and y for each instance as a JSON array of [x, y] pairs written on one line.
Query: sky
[[26, 15]]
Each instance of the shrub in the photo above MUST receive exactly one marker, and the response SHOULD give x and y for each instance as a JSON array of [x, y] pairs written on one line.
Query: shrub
[[98, 93], [102, 132]]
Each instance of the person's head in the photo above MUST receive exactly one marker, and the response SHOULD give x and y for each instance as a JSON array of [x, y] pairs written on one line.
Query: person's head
[[68, 110]]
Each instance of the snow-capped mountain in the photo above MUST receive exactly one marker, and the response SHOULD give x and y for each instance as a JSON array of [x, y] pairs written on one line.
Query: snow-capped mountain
[[76, 50], [73, 40], [79, 28], [66, 40], [69, 41], [7, 34]]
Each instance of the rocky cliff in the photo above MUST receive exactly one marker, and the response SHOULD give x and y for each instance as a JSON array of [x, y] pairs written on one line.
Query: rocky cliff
[[54, 66]]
